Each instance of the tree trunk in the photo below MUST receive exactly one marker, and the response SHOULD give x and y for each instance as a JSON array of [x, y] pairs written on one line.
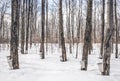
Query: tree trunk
[[95, 6], [108, 39], [79, 26], [31, 23], [103, 27], [64, 57], [46, 25], [23, 29], [19, 10], [14, 35], [87, 38], [27, 28], [72, 21], [42, 33], [69, 30], [116, 26]]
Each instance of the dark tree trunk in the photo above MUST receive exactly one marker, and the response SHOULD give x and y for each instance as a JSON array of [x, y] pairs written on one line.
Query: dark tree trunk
[[27, 28], [103, 27], [46, 25], [14, 35], [19, 10], [87, 38], [42, 33], [23, 29], [95, 6], [36, 5], [116, 26], [64, 57], [31, 23]]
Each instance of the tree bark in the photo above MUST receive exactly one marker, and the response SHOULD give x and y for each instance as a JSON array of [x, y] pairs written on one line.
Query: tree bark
[[28, 27], [64, 57], [31, 23], [79, 26], [23, 29], [14, 35], [42, 33], [95, 6], [69, 29], [116, 26], [108, 38], [46, 25], [88, 32], [103, 27]]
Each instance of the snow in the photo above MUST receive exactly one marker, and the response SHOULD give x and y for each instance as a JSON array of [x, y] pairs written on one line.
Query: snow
[[51, 69]]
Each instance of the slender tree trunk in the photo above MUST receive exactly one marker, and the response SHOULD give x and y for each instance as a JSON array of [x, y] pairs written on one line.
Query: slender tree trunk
[[64, 57], [36, 5], [72, 21], [46, 25], [108, 39], [79, 25], [31, 24], [103, 27], [23, 29], [87, 38], [27, 28], [95, 21], [42, 33], [14, 35], [19, 10], [1, 26], [68, 24], [69, 29], [116, 26]]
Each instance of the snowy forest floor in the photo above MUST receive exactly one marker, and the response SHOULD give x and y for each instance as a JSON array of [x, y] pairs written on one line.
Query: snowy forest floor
[[32, 68]]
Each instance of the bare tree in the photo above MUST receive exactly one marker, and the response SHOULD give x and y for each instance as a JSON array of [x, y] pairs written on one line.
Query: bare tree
[[108, 38], [28, 26], [23, 28], [46, 25], [116, 26], [79, 25], [72, 20], [103, 27], [64, 57], [69, 29], [95, 23], [87, 37], [14, 35], [32, 28], [43, 25]]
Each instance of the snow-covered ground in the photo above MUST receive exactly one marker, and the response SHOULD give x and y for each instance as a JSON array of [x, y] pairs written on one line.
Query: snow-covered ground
[[32, 68]]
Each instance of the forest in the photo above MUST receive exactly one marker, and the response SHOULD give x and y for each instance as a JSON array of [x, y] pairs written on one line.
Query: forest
[[72, 40]]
